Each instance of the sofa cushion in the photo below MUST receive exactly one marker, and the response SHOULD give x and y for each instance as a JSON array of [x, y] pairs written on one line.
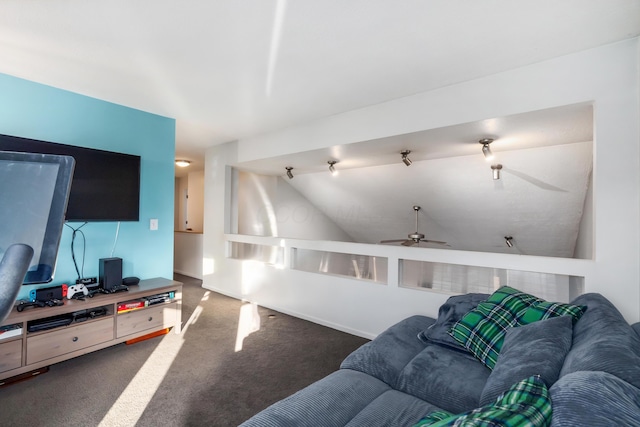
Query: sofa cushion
[[526, 403], [535, 349], [482, 330], [451, 380], [332, 401], [387, 355], [594, 398], [392, 408], [449, 313], [603, 341]]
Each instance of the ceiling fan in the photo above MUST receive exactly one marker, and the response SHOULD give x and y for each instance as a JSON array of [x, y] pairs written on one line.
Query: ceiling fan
[[414, 238]]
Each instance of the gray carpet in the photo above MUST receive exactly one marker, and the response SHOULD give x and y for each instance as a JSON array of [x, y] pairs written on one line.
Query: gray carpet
[[189, 379]]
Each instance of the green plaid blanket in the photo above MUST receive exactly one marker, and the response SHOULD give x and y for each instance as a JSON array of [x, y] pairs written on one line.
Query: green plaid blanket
[[525, 404]]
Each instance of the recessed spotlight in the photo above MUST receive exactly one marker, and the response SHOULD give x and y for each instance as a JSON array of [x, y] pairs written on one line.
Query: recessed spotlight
[[488, 155], [332, 167], [405, 157], [496, 171]]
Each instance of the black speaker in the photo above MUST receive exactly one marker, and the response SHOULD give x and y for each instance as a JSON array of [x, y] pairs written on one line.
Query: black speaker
[[110, 273]]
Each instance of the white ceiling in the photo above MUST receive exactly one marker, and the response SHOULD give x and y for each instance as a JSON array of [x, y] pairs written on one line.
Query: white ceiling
[[228, 69]]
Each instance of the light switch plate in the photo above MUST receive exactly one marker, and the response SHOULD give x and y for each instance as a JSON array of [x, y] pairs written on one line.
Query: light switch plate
[[153, 224]]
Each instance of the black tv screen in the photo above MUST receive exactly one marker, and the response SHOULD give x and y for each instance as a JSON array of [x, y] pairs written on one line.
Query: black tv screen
[[105, 186]]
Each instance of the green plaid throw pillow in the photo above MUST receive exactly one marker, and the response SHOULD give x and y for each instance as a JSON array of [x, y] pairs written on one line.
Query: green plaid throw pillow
[[546, 310], [526, 403], [482, 330]]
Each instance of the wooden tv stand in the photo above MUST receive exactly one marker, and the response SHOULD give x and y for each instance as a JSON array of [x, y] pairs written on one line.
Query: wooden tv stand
[[29, 351]]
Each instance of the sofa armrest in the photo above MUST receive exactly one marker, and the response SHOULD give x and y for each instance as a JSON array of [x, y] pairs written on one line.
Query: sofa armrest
[[387, 355], [594, 398]]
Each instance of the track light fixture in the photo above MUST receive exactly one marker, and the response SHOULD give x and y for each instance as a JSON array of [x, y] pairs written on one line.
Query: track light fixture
[[508, 241], [488, 155], [289, 173], [405, 157], [496, 171], [332, 168]]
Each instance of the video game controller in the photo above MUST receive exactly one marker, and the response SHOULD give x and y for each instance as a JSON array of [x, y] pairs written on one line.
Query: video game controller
[[26, 304], [32, 295], [65, 289], [77, 289]]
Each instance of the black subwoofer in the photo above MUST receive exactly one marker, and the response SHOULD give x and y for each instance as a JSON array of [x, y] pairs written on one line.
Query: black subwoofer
[[110, 273]]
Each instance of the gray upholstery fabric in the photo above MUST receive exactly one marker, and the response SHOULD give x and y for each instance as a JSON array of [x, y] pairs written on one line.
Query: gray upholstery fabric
[[331, 401], [393, 408], [396, 379], [535, 349], [387, 355], [448, 314], [594, 399], [451, 380], [636, 327], [603, 341]]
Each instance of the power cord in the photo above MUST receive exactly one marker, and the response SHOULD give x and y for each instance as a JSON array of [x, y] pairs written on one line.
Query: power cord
[[115, 240], [80, 271]]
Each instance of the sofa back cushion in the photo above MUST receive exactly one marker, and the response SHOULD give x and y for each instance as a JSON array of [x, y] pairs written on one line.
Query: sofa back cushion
[[535, 349], [386, 356], [603, 341], [451, 380]]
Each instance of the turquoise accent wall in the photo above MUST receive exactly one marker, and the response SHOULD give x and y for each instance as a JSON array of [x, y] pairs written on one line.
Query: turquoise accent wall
[[33, 110]]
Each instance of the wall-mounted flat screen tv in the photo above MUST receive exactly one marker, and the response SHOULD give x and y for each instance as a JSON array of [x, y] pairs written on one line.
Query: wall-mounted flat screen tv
[[105, 186]]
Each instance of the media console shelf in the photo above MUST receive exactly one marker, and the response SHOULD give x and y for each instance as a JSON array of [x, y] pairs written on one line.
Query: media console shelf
[[96, 324]]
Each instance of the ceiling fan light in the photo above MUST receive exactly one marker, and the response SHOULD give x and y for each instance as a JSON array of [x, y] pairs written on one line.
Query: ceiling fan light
[[289, 173]]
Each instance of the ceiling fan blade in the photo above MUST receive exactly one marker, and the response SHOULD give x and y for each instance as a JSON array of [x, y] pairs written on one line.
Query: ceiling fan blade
[[437, 242], [393, 241], [409, 243]]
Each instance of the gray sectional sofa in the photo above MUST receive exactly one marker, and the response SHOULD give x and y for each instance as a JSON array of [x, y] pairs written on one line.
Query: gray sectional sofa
[[589, 365]]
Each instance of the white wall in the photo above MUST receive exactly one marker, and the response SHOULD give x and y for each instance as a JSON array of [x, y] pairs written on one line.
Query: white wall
[[181, 188], [195, 202], [607, 76], [187, 253], [189, 212]]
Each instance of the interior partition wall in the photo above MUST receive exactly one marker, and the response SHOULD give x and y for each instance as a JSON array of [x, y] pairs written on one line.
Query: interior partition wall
[[607, 77]]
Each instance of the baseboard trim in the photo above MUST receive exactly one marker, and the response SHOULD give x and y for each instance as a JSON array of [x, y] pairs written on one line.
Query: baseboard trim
[[188, 273], [313, 319]]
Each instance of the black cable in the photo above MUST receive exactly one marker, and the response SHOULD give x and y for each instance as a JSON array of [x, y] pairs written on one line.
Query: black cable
[[80, 272]]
